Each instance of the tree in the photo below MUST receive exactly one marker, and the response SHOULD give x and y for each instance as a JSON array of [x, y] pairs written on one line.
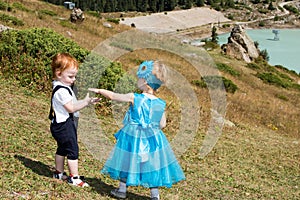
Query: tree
[[142, 5], [214, 35], [200, 3]]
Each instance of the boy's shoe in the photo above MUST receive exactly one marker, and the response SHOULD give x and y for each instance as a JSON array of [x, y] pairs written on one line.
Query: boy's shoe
[[116, 193], [61, 176], [154, 198], [77, 181]]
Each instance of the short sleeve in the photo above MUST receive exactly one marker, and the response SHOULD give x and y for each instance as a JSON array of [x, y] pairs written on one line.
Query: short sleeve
[[63, 96]]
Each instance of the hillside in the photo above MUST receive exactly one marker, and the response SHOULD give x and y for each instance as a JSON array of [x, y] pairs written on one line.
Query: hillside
[[257, 158]]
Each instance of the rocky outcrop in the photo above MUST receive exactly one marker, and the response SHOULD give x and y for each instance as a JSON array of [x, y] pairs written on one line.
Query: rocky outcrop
[[240, 45]]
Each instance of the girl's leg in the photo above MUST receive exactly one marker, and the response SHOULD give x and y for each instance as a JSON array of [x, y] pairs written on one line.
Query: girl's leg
[[122, 186], [154, 193], [121, 191]]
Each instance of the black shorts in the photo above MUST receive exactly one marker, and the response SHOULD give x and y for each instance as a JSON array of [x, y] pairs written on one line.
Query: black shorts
[[65, 134]]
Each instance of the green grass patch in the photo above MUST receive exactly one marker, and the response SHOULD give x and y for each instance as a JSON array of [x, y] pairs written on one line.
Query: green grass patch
[[48, 12], [225, 68], [273, 79], [20, 6], [10, 20], [216, 82]]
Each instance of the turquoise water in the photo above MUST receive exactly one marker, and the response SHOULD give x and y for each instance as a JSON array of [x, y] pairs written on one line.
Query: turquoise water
[[285, 51]]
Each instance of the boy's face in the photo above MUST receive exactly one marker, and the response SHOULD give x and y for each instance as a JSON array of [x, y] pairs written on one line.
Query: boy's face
[[68, 76]]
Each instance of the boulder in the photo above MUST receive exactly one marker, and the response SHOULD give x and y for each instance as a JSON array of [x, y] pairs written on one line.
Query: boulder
[[240, 45], [77, 15]]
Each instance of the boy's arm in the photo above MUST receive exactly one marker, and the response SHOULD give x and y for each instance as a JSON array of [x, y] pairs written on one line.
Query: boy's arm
[[72, 107]]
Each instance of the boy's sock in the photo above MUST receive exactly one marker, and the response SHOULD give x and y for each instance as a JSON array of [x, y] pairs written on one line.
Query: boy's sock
[[122, 187], [154, 192]]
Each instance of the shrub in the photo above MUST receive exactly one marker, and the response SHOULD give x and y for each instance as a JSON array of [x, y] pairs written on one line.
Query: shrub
[[264, 54], [210, 45], [3, 5], [113, 20], [11, 20], [261, 23], [225, 68], [273, 79], [27, 54], [216, 82], [48, 12], [20, 6], [114, 78], [253, 66]]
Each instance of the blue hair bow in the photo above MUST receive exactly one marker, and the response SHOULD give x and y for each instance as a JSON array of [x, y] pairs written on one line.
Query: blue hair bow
[[145, 72]]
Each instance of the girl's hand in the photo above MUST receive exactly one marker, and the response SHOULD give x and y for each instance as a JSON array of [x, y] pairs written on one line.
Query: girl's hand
[[94, 90]]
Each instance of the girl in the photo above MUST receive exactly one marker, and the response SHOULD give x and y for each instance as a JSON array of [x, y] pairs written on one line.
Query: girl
[[63, 113], [142, 154]]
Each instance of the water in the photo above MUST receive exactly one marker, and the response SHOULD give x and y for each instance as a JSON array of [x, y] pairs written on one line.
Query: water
[[285, 51]]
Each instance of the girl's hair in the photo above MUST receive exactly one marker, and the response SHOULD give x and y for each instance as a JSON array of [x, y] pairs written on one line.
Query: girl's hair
[[160, 71], [61, 62]]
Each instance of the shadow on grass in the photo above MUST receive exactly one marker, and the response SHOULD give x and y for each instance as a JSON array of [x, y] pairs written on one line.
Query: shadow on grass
[[36, 166], [104, 189], [97, 185]]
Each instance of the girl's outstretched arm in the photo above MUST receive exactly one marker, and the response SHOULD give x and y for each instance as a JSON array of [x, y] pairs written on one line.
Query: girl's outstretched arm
[[113, 95]]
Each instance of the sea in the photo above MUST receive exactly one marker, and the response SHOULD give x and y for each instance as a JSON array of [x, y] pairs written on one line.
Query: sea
[[282, 45]]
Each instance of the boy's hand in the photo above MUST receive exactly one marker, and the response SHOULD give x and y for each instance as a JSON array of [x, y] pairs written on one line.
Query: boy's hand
[[90, 100], [95, 100]]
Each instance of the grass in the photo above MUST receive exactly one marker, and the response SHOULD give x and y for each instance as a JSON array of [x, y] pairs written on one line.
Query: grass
[[258, 158], [246, 163]]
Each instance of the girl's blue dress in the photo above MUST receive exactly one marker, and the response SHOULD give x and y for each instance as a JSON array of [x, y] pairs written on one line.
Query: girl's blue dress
[[142, 154]]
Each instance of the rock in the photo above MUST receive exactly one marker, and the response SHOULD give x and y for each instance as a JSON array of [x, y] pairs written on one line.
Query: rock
[[107, 25], [4, 28], [240, 45], [77, 15]]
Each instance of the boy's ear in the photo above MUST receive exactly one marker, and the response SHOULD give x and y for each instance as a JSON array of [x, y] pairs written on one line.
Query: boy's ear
[[58, 73]]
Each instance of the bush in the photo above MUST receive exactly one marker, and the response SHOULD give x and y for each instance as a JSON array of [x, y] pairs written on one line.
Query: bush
[[225, 68], [3, 5], [11, 20], [20, 6], [253, 66], [113, 20], [261, 24], [27, 54], [273, 79], [48, 12], [210, 45], [264, 54], [216, 82], [114, 78]]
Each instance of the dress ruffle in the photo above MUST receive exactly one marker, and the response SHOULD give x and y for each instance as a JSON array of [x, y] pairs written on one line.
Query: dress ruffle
[[143, 156]]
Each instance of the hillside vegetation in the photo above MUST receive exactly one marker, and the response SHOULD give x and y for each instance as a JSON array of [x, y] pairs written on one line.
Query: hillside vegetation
[[256, 158]]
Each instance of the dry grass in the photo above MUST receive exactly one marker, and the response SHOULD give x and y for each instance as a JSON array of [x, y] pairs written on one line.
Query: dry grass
[[256, 159]]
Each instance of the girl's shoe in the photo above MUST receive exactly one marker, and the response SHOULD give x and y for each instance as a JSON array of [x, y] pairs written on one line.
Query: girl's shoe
[[77, 181], [116, 193]]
